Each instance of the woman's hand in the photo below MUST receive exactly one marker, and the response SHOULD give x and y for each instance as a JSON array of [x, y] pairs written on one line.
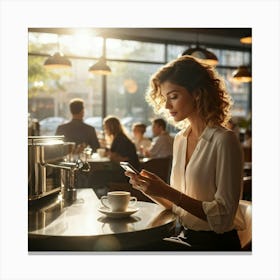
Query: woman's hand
[[147, 182]]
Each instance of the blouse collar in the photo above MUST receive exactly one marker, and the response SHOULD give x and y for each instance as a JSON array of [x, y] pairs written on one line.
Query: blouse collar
[[206, 134]]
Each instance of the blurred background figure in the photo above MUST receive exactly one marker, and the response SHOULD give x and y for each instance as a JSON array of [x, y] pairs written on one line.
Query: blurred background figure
[[247, 139], [141, 142], [76, 130], [121, 146], [33, 126], [162, 143], [233, 125]]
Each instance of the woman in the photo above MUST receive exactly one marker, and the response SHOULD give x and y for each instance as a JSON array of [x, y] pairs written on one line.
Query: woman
[[206, 178], [141, 142], [122, 148]]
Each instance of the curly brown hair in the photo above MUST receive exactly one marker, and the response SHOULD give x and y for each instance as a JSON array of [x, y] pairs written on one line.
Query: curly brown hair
[[201, 80]]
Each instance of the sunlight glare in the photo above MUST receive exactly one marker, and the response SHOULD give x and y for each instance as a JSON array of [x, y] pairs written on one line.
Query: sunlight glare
[[82, 41]]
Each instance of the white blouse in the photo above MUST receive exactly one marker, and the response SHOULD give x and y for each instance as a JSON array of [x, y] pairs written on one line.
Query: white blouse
[[213, 175]]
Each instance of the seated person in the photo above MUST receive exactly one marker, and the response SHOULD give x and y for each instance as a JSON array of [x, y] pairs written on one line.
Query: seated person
[[141, 142], [76, 130], [121, 148], [233, 125], [248, 139], [162, 143]]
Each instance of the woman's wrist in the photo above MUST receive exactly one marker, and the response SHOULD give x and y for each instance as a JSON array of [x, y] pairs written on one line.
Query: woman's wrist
[[180, 195], [174, 196]]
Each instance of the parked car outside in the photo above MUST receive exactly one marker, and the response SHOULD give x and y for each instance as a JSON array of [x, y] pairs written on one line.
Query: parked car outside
[[96, 122], [48, 125]]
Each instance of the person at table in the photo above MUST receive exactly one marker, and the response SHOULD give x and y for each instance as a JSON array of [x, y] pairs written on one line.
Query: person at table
[[247, 139], [206, 178], [141, 142], [76, 130], [233, 125], [121, 147], [162, 143]]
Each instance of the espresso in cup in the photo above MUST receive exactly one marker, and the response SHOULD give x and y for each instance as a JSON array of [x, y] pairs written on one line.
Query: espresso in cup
[[118, 201]]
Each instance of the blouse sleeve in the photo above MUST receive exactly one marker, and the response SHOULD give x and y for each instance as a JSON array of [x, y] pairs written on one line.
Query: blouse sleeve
[[221, 211]]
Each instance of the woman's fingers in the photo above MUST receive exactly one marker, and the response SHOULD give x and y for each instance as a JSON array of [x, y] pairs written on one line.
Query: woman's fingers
[[130, 174], [143, 181], [139, 182], [136, 176], [148, 174]]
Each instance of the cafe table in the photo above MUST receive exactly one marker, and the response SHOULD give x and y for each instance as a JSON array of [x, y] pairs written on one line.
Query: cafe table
[[54, 225], [102, 171], [99, 163]]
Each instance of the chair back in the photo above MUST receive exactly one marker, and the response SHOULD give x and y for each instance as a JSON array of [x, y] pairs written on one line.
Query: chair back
[[247, 152], [247, 188], [159, 166], [245, 235]]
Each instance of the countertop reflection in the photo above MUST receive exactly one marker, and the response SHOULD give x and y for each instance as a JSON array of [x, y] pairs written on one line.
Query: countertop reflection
[[56, 226]]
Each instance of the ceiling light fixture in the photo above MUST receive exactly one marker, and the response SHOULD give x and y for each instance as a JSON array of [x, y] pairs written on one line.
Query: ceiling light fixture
[[100, 67], [57, 61], [202, 54], [246, 40], [242, 74]]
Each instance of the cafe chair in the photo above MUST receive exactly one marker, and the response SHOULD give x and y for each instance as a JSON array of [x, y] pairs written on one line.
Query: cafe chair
[[247, 188], [247, 152], [245, 235], [247, 168], [159, 166]]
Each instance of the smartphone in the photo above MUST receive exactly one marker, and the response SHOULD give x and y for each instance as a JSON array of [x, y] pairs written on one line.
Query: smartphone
[[128, 167]]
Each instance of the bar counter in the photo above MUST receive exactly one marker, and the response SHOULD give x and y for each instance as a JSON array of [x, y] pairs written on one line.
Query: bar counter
[[55, 226]]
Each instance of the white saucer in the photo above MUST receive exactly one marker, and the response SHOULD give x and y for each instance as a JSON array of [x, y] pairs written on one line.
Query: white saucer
[[129, 211]]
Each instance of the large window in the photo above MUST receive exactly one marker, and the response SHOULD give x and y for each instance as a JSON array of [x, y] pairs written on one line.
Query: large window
[[132, 63], [134, 50]]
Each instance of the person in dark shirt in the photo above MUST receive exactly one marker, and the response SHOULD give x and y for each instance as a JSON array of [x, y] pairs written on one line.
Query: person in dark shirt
[[76, 130], [122, 148]]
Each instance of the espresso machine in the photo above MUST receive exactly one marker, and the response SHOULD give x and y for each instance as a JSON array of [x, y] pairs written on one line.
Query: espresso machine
[[50, 168]]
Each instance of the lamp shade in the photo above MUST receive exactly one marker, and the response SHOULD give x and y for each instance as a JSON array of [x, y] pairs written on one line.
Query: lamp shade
[[246, 40], [100, 67], [242, 74], [57, 61], [202, 54]]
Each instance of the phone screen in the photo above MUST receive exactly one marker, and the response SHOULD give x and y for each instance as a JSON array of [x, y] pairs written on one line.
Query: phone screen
[[128, 167]]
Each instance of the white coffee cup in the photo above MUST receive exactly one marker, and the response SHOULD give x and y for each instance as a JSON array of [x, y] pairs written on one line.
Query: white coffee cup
[[118, 201], [101, 152]]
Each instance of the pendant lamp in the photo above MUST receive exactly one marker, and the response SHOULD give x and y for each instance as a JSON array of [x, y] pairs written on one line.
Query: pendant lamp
[[57, 61], [242, 74], [100, 67], [246, 40], [202, 54]]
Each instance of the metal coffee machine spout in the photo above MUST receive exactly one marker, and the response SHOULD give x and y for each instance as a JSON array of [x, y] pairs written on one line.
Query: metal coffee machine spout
[[44, 181], [68, 175], [48, 169]]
